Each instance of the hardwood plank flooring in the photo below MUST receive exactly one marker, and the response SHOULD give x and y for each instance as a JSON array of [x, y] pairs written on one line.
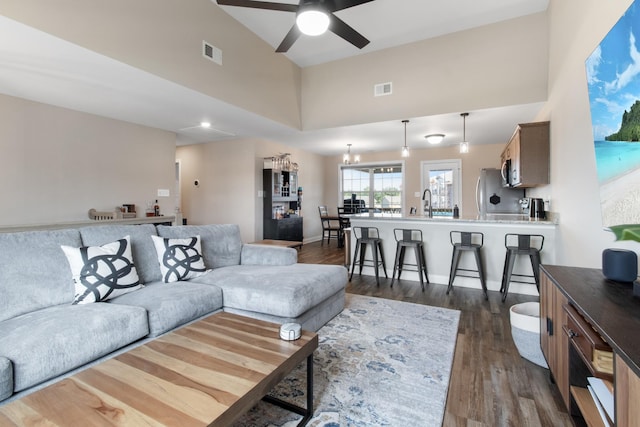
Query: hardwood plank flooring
[[491, 385]]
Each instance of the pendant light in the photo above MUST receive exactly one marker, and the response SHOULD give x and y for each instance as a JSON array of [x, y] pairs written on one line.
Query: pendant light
[[464, 145], [405, 149]]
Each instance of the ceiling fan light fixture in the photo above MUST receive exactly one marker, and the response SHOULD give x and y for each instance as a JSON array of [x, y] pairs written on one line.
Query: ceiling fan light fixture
[[434, 138], [312, 22]]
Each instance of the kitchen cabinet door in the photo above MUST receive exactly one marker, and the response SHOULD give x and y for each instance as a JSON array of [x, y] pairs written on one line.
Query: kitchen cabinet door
[[553, 340], [528, 152]]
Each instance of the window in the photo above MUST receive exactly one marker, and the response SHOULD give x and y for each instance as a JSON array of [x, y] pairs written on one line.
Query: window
[[443, 179], [378, 186]]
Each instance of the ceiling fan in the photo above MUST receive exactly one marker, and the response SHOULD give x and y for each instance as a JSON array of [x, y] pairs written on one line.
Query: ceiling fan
[[322, 10]]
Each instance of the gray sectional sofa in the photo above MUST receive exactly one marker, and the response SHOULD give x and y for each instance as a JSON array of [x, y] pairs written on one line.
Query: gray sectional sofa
[[44, 337]]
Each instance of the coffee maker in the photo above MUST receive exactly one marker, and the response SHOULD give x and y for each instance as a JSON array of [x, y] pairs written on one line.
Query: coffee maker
[[536, 208]]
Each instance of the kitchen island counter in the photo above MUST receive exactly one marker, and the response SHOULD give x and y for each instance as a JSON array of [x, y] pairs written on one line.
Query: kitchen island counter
[[488, 219], [438, 248]]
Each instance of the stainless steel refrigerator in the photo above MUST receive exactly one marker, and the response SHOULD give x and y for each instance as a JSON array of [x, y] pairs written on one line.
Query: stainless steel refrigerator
[[493, 198]]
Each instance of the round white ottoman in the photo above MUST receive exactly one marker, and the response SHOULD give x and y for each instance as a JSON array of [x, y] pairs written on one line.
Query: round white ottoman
[[525, 331]]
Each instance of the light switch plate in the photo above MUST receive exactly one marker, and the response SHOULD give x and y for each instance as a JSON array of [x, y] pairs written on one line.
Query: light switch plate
[[416, 194], [163, 192]]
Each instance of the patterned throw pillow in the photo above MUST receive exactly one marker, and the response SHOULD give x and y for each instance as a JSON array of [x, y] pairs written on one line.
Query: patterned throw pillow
[[179, 259], [102, 272]]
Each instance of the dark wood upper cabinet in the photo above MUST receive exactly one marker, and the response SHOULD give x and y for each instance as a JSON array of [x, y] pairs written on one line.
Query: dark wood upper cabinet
[[525, 159]]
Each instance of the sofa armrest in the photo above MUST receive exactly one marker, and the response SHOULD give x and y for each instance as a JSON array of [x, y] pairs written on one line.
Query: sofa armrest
[[6, 378], [267, 255]]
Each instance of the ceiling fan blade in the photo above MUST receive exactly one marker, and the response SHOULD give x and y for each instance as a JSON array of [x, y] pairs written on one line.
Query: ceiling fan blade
[[344, 30], [345, 4], [289, 39], [260, 5]]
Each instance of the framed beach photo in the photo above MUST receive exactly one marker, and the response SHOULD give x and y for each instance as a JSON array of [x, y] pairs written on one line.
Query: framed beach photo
[[613, 78]]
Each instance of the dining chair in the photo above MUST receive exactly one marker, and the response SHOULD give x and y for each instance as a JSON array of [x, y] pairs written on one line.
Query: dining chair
[[329, 225]]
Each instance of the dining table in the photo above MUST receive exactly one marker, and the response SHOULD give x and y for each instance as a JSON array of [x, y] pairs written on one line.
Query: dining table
[[343, 222]]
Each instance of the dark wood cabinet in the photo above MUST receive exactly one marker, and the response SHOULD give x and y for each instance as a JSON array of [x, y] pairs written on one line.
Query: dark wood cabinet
[[553, 340], [280, 220], [590, 328], [525, 159], [284, 229]]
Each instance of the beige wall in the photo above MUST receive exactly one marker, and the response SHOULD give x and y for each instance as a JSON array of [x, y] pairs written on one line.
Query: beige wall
[[491, 66], [163, 37], [230, 175], [56, 164], [481, 156], [576, 28]]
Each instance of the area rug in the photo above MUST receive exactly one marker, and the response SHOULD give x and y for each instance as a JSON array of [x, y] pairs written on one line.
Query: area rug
[[379, 363]]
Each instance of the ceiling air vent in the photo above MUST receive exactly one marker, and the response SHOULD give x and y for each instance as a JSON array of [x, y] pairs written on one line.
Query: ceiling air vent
[[382, 89], [211, 52]]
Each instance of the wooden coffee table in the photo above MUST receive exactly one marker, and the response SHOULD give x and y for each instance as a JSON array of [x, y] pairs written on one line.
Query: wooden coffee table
[[208, 373]]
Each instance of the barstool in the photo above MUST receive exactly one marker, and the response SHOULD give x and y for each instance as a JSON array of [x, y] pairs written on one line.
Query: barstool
[[368, 236], [409, 238], [527, 244], [467, 241]]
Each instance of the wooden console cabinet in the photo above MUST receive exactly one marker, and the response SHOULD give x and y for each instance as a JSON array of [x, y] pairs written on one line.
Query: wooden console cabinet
[[587, 321]]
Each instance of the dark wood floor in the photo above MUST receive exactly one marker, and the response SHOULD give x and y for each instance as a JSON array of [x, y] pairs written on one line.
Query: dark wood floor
[[491, 385]]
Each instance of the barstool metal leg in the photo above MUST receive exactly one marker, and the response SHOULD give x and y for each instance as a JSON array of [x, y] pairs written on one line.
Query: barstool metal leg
[[395, 264], [374, 249], [363, 251], [504, 271], [416, 250], [355, 258], [455, 259], [424, 263], [384, 264], [511, 259], [535, 265], [481, 272]]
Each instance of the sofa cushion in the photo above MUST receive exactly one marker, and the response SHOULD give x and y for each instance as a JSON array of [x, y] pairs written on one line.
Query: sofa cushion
[[179, 259], [34, 272], [102, 272], [6, 378], [170, 305], [267, 255], [284, 291], [144, 253], [221, 243], [49, 342]]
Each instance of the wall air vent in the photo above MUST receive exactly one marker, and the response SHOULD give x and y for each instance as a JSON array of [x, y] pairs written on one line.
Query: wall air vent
[[211, 52], [382, 89]]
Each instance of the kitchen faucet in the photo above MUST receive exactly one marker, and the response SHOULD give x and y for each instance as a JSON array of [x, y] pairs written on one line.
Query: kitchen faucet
[[427, 210]]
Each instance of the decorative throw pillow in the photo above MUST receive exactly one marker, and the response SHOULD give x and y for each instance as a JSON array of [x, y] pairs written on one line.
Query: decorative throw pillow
[[179, 259], [102, 272]]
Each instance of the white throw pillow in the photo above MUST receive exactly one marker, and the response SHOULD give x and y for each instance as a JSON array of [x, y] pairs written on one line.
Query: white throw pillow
[[102, 272], [179, 259]]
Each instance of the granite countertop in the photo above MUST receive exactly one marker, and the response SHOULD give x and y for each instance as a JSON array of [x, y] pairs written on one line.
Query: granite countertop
[[490, 218]]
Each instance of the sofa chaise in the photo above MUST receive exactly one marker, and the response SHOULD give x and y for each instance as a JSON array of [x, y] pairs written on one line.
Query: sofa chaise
[[49, 330]]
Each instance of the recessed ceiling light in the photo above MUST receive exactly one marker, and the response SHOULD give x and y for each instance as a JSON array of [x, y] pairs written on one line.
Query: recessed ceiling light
[[205, 124]]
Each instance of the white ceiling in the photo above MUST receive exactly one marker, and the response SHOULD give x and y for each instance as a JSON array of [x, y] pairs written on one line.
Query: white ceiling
[[386, 23], [39, 67]]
